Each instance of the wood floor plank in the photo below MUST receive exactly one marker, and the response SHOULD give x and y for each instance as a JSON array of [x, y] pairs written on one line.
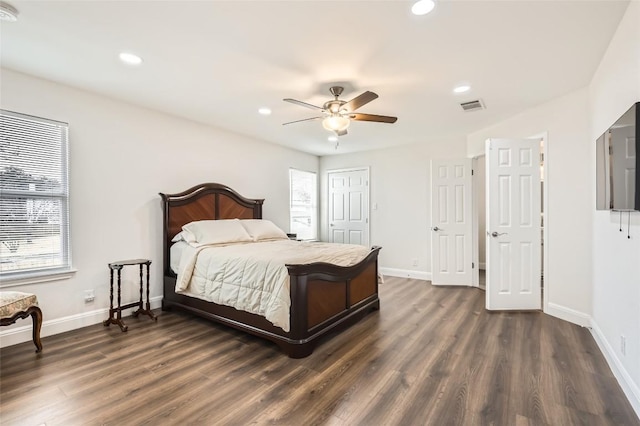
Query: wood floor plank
[[430, 356]]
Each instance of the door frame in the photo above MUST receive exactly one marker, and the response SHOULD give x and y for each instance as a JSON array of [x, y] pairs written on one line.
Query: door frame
[[544, 137], [368, 205], [475, 221]]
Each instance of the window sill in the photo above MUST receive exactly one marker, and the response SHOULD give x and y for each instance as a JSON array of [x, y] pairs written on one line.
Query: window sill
[[36, 278]]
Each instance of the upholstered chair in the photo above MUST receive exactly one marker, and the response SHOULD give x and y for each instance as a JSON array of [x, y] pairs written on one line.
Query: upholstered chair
[[16, 305]]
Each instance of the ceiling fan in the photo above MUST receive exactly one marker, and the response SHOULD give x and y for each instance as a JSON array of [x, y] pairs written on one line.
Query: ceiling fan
[[337, 114]]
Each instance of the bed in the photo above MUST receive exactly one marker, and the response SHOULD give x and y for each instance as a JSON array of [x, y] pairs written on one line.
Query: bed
[[324, 298]]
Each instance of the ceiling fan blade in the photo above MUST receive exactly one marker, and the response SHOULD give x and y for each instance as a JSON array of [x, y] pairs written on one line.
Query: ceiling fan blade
[[373, 117], [304, 104], [341, 132], [359, 101], [304, 119]]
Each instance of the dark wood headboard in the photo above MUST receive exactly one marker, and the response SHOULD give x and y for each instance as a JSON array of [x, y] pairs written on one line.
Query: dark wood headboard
[[207, 201]]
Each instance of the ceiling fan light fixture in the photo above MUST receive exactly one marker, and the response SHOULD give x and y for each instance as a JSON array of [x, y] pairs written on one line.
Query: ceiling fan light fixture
[[336, 123], [337, 114], [422, 7], [7, 12]]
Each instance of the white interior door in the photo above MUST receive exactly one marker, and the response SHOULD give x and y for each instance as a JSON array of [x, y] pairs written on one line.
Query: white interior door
[[513, 224], [349, 206], [451, 222]]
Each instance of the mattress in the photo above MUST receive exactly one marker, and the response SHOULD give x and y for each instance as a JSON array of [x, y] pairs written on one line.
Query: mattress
[[252, 277]]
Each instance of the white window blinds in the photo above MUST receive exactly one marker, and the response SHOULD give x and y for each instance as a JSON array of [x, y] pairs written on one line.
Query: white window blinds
[[303, 203], [34, 207]]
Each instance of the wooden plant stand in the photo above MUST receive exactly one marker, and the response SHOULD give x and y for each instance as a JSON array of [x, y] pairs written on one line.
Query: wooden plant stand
[[115, 314]]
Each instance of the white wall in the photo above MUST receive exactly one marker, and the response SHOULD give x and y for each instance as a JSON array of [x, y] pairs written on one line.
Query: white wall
[[121, 156], [568, 173], [616, 259], [401, 187]]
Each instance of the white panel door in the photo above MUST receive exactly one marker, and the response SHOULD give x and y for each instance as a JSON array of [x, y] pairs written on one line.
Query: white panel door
[[451, 222], [513, 225], [349, 206]]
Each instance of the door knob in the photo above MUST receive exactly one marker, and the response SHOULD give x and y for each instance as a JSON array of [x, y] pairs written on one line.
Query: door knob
[[331, 224], [435, 228], [495, 234]]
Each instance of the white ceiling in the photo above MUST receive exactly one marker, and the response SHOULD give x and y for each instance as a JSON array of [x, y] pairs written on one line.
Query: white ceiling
[[217, 62]]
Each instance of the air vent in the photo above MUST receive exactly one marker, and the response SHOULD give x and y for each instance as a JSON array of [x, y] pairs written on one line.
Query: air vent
[[472, 105]]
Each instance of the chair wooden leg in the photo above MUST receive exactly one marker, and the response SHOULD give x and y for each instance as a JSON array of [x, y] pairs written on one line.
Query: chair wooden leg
[[36, 315]]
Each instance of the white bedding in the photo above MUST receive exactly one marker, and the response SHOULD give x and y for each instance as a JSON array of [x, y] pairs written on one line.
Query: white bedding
[[175, 253], [252, 277]]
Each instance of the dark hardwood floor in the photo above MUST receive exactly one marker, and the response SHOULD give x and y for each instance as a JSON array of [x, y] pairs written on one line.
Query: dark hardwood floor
[[430, 356]]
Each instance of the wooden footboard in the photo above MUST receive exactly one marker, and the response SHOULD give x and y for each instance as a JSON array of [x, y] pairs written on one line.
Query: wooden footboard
[[324, 298], [327, 297]]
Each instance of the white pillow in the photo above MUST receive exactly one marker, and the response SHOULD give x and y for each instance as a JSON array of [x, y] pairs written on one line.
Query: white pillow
[[217, 231], [184, 236], [262, 229]]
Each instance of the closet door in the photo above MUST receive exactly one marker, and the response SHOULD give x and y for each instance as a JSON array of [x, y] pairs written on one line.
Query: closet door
[[451, 222], [349, 206]]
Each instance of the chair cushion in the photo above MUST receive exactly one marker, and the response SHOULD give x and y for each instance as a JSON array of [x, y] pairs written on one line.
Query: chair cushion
[[12, 302]]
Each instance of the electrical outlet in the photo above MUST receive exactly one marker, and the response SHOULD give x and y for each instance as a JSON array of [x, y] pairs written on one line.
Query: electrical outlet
[[414, 262], [89, 296], [623, 345]]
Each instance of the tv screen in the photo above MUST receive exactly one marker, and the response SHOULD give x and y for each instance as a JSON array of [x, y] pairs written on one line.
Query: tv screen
[[618, 165]]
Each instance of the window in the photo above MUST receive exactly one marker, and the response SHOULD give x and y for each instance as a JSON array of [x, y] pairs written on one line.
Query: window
[[34, 196], [303, 202]]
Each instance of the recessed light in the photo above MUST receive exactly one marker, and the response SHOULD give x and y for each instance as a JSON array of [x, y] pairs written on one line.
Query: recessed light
[[422, 7], [7, 12], [462, 88], [332, 139], [264, 111], [130, 58]]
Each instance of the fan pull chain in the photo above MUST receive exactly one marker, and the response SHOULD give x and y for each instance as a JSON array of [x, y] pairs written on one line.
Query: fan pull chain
[[629, 225]]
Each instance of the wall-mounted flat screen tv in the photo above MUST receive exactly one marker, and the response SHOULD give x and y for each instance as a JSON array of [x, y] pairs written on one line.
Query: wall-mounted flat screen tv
[[618, 164]]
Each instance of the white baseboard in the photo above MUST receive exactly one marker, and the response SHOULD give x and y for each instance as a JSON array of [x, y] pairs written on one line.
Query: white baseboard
[[406, 273], [568, 314], [629, 387], [16, 335]]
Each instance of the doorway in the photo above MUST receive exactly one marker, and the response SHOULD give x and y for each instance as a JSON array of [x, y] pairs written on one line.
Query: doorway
[[479, 199]]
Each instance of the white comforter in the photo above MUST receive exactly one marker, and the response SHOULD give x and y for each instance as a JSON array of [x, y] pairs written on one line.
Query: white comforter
[[252, 277]]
